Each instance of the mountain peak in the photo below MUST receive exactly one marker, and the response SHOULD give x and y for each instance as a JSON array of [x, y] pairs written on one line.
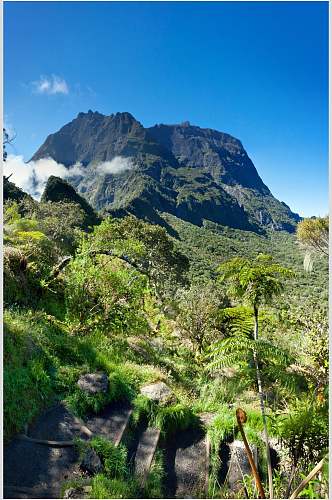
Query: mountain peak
[[192, 172]]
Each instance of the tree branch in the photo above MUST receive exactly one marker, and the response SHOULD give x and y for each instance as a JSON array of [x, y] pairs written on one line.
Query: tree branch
[[57, 269]]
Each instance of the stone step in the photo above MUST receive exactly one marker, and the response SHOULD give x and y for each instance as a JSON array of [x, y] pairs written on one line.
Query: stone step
[[111, 422], [187, 461], [238, 465], [58, 424], [191, 468], [145, 452]]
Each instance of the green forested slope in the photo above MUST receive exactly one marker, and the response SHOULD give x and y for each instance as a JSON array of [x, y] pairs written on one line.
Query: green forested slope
[[125, 298]]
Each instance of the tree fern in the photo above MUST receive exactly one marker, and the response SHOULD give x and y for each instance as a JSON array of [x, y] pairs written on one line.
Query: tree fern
[[254, 282]]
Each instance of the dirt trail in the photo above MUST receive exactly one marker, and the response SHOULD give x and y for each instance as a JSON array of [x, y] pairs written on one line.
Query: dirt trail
[[34, 470]]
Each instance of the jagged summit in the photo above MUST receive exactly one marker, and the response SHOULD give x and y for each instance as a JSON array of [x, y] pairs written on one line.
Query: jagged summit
[[192, 172]]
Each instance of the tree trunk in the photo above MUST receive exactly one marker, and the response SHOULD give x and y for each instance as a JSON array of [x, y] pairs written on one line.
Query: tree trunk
[[261, 399]]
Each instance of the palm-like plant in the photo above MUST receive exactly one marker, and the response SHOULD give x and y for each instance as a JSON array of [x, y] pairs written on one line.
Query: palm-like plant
[[255, 282]]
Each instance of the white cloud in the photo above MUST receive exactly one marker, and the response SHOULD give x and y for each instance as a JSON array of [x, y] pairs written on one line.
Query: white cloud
[[32, 177], [50, 85], [115, 166]]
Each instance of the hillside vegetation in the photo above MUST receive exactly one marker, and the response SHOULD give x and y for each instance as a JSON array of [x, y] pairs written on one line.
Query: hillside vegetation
[[126, 298]]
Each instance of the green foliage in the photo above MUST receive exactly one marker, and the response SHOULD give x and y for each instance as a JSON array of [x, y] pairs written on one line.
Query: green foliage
[[314, 234], [304, 429], [27, 380], [221, 428], [41, 238], [170, 419], [256, 282], [114, 458], [102, 292], [212, 244], [198, 314], [103, 487], [82, 403], [144, 408], [120, 388], [147, 245], [114, 479], [60, 221]]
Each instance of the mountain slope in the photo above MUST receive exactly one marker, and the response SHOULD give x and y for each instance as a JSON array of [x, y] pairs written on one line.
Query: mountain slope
[[193, 173], [57, 189]]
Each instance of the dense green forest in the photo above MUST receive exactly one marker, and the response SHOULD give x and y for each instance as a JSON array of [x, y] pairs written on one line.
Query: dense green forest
[[226, 318]]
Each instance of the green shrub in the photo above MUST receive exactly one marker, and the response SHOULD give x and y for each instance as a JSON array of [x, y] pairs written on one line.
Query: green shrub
[[173, 418], [114, 458], [304, 430], [105, 293], [103, 487], [81, 403]]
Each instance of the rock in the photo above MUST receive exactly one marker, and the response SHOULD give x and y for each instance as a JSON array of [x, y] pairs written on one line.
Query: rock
[[158, 392], [206, 418], [238, 465], [93, 383], [79, 492], [72, 493], [91, 463]]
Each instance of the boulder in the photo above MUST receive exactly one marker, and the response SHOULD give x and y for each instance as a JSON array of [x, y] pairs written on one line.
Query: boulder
[[159, 392], [93, 383], [91, 463]]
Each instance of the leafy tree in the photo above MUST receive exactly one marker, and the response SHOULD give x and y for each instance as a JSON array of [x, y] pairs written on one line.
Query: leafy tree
[[256, 282], [106, 293], [313, 234], [198, 314], [61, 221], [108, 278], [28, 257], [309, 323], [146, 246]]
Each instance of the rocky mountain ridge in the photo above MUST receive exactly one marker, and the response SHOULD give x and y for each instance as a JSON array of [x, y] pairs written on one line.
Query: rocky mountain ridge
[[194, 173]]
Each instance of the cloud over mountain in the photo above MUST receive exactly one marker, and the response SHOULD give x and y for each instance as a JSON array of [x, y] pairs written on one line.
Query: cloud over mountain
[[33, 175]]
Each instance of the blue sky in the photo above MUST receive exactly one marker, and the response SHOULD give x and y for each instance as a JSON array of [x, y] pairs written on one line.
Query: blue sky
[[257, 70]]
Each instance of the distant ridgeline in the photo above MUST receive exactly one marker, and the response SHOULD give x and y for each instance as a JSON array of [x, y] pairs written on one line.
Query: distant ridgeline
[[192, 173]]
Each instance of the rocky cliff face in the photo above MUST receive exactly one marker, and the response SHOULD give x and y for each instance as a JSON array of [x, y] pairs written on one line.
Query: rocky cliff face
[[184, 170]]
